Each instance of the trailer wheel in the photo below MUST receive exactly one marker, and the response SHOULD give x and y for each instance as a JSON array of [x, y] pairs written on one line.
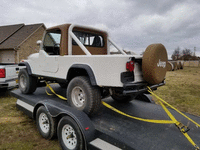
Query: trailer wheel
[[27, 83], [83, 96], [45, 123], [69, 134]]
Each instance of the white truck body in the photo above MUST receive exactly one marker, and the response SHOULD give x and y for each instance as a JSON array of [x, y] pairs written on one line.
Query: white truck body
[[11, 75], [106, 68]]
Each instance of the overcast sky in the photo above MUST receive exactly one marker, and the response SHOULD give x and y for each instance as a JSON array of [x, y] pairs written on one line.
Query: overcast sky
[[132, 24]]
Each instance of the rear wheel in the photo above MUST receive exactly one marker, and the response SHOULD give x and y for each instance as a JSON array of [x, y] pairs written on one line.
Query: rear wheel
[[27, 83], [83, 96], [69, 134]]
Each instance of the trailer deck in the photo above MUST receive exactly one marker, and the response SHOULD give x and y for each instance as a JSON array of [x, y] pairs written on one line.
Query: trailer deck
[[114, 131]]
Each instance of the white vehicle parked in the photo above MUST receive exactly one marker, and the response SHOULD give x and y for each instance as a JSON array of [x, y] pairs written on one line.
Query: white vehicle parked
[[79, 59], [8, 76]]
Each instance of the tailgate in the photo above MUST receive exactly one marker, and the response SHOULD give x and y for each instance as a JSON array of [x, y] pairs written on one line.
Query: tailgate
[[11, 72]]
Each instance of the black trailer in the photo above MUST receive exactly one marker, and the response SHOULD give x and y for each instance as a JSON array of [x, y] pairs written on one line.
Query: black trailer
[[107, 130]]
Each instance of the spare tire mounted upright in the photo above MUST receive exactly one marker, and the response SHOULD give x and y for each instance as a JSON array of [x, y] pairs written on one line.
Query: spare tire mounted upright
[[154, 63]]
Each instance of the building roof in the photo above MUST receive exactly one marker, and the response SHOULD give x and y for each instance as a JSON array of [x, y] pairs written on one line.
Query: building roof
[[12, 36]]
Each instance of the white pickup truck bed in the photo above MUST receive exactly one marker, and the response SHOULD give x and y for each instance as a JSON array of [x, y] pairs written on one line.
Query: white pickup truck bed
[[11, 75]]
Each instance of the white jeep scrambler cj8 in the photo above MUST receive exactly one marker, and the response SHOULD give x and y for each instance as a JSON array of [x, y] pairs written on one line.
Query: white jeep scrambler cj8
[[79, 59]]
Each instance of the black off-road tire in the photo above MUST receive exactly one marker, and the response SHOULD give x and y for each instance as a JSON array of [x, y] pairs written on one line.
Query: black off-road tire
[[83, 96], [69, 134], [46, 124], [27, 83], [154, 63]]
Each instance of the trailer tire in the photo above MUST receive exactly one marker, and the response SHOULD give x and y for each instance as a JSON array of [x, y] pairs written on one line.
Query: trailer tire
[[45, 123], [27, 83], [83, 96], [69, 134]]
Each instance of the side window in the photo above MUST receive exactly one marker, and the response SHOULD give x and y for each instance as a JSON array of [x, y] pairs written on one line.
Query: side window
[[88, 39], [51, 43]]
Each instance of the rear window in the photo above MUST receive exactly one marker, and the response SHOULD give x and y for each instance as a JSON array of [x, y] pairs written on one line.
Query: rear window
[[89, 39]]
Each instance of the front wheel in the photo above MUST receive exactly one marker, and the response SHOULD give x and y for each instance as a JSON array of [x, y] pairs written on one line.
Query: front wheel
[[27, 83], [83, 96], [69, 134]]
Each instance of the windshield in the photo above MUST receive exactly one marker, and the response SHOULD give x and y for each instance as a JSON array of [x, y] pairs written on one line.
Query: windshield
[[52, 39]]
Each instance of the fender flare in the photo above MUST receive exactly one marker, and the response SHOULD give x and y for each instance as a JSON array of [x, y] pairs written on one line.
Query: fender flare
[[87, 68], [27, 67], [57, 110]]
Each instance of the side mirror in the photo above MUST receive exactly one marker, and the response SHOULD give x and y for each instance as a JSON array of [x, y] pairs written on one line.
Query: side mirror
[[39, 42]]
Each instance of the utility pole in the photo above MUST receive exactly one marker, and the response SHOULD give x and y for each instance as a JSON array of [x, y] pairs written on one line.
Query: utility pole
[[194, 50]]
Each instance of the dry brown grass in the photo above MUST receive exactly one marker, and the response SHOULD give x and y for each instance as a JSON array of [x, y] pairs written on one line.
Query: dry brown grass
[[18, 131], [182, 89]]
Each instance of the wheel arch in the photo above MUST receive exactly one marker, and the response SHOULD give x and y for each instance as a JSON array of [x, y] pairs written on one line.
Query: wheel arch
[[27, 67], [81, 70]]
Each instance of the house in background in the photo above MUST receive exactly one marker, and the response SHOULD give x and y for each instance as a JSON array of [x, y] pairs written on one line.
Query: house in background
[[18, 41]]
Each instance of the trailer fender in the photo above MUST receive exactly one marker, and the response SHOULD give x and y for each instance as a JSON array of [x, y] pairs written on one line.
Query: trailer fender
[[57, 111]]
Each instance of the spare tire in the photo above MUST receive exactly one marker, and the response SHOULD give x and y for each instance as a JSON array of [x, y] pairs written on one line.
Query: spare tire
[[154, 63]]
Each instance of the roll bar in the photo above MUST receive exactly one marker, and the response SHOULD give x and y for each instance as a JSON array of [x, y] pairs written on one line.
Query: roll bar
[[71, 36]]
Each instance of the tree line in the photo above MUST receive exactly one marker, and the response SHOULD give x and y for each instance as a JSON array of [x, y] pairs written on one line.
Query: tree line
[[185, 54]]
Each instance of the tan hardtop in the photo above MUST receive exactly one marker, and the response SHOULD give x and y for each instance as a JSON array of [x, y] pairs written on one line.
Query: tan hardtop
[[76, 50]]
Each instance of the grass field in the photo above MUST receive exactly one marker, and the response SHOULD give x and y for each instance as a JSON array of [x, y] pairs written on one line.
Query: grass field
[[182, 90], [18, 132]]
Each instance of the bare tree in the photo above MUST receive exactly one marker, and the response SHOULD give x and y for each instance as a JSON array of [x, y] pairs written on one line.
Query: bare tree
[[187, 52], [176, 54]]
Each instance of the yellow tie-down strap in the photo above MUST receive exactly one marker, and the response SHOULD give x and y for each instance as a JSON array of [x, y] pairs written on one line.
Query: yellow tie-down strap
[[173, 120], [47, 85]]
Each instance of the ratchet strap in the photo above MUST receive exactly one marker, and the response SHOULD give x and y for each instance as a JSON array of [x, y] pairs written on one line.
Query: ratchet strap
[[54, 93], [183, 129]]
